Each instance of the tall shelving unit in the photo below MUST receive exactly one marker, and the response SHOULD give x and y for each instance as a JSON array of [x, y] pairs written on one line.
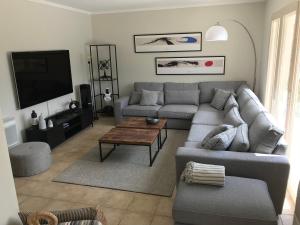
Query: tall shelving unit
[[103, 68]]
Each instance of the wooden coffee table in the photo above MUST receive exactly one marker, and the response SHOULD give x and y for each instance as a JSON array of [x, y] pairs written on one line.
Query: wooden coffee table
[[140, 123], [130, 136]]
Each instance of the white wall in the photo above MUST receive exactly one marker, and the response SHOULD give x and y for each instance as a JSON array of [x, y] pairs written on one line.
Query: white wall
[[272, 6], [119, 29], [26, 25], [9, 204]]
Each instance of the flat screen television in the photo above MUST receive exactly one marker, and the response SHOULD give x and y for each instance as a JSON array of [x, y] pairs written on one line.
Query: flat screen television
[[41, 76]]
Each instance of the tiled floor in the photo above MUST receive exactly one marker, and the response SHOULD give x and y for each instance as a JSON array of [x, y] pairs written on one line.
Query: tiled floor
[[120, 207]]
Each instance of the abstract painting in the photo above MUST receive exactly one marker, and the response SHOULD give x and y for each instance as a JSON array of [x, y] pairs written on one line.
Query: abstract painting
[[170, 42], [201, 65]]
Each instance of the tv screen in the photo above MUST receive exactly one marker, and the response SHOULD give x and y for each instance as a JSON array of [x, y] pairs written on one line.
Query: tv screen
[[41, 76]]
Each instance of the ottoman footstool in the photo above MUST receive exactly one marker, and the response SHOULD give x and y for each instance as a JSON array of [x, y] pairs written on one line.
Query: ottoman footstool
[[241, 201], [30, 158]]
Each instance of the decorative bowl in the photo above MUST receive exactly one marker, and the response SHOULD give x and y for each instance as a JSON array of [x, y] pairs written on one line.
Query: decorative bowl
[[152, 120]]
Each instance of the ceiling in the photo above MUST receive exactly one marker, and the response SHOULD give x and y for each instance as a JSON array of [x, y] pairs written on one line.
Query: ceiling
[[110, 6]]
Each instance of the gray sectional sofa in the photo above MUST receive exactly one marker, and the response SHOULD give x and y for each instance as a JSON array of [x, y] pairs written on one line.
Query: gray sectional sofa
[[258, 161]]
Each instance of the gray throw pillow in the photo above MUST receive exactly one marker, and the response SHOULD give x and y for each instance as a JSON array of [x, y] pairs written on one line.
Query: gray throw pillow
[[233, 117], [264, 134], [135, 98], [231, 102], [220, 98], [240, 142], [149, 98], [219, 138]]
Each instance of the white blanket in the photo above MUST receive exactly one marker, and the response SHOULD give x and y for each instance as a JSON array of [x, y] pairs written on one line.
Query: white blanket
[[204, 174]]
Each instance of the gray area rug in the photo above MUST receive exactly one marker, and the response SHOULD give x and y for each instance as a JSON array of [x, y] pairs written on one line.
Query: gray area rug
[[127, 168]]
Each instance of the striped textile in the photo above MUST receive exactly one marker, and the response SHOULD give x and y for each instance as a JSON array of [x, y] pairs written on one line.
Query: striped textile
[[72, 215], [81, 222], [204, 174]]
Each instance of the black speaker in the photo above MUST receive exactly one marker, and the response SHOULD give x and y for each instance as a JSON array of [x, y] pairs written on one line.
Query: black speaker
[[85, 96]]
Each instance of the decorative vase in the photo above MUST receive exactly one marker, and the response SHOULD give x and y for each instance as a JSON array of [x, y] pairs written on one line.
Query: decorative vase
[[42, 123], [34, 120], [50, 123]]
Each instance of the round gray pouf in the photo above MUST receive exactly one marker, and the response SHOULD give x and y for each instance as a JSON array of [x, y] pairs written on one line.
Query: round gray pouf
[[30, 158]]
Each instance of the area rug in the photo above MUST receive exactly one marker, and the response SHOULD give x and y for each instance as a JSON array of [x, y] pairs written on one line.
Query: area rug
[[127, 168]]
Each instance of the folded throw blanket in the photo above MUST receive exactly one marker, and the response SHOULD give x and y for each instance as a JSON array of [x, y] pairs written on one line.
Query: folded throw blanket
[[204, 174]]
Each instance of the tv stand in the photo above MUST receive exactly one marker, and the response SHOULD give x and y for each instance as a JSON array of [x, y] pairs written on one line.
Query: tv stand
[[65, 125]]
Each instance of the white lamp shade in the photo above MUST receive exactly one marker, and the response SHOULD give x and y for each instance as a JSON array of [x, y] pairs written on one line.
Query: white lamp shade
[[216, 33]]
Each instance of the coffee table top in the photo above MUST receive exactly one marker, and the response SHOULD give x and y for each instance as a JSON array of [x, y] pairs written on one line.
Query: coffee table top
[[140, 122], [130, 136]]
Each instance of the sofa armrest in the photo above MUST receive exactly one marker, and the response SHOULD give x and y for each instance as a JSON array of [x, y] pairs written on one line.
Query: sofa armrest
[[119, 105], [273, 169]]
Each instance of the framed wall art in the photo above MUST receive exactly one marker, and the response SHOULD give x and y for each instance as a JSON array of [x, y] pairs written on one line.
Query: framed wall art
[[199, 65], [169, 42]]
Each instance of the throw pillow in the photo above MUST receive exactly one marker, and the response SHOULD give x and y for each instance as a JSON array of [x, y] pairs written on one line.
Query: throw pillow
[[149, 98], [220, 98], [264, 134], [240, 142], [219, 138], [231, 102], [233, 117], [135, 98]]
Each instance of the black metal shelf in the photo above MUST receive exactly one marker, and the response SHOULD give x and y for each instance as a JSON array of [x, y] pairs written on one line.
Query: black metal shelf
[[100, 53]]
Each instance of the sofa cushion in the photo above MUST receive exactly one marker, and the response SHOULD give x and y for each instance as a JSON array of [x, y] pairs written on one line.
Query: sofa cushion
[[208, 118], [135, 98], [236, 203], [192, 144], [149, 98], [171, 86], [245, 96], [220, 98], [219, 138], [150, 86], [140, 110], [177, 111], [231, 102], [182, 97], [207, 107], [241, 89], [233, 117], [207, 88], [199, 132], [240, 142], [264, 134], [250, 111]]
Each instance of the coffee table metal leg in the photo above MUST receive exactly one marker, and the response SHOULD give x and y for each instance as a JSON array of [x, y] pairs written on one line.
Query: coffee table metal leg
[[100, 149], [155, 154], [101, 155], [162, 142]]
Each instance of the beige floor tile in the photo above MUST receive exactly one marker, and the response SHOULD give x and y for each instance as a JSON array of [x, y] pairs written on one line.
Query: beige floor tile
[[113, 216], [96, 196], [34, 204], [22, 198], [162, 220], [132, 218], [164, 207], [119, 200], [144, 203]]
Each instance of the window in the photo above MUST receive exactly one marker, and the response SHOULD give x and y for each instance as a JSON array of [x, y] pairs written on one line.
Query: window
[[282, 91]]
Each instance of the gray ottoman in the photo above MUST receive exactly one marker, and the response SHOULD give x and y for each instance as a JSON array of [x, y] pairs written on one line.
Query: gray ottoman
[[30, 158], [241, 201]]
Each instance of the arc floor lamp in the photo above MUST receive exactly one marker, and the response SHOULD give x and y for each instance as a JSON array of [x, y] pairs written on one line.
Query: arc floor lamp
[[219, 33]]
